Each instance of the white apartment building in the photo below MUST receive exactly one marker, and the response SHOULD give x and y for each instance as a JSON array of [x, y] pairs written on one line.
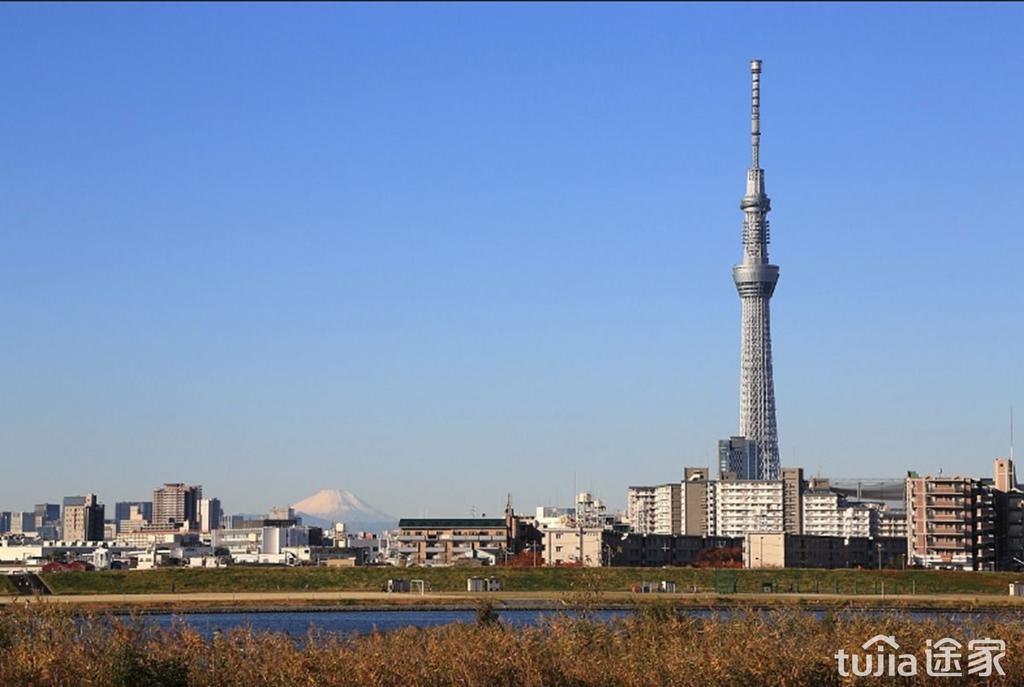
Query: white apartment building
[[668, 511], [892, 523], [640, 509], [737, 507], [827, 514]]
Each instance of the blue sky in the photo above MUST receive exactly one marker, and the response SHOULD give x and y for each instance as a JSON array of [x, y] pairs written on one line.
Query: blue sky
[[434, 254]]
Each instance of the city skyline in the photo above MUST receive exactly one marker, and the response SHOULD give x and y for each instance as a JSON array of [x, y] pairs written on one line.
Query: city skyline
[[315, 248]]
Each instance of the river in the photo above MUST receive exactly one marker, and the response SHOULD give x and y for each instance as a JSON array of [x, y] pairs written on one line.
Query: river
[[298, 623]]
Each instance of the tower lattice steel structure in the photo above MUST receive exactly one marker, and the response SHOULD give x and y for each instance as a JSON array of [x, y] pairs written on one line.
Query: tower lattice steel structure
[[755, 281]]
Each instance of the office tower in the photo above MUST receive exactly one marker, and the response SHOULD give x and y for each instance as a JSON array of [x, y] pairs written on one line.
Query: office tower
[[177, 504], [23, 522], [755, 280], [123, 511], [738, 458], [47, 513], [209, 514], [84, 522], [5, 522]]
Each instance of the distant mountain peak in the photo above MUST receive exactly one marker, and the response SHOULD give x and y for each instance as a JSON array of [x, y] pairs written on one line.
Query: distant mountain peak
[[340, 505]]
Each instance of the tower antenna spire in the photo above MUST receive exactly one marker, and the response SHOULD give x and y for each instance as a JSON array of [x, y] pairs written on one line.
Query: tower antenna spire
[[755, 113]]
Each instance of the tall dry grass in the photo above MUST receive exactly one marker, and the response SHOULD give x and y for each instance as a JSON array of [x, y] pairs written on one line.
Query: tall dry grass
[[44, 646]]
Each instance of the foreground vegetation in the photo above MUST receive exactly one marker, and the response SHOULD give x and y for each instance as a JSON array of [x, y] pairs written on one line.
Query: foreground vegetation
[[44, 646], [270, 579]]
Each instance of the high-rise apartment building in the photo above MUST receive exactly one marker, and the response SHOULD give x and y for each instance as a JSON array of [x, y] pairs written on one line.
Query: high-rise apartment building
[[736, 507], [828, 514], [793, 502], [640, 509], [892, 524], [739, 458], [1009, 504], [951, 522], [668, 511], [694, 501], [84, 522], [177, 504]]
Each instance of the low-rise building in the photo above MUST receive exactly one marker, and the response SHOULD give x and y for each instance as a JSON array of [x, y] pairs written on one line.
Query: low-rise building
[[443, 541], [656, 550], [783, 550], [574, 546]]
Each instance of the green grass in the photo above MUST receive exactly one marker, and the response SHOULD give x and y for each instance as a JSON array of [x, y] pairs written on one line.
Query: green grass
[[252, 579]]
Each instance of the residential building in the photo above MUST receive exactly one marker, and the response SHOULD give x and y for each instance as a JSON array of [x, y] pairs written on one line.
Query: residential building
[[792, 500], [209, 514], [668, 508], [827, 513], [693, 500], [740, 457], [736, 507], [1009, 505], [444, 541], [573, 546], [951, 522], [84, 522], [784, 550], [892, 524], [657, 550], [177, 503], [640, 509]]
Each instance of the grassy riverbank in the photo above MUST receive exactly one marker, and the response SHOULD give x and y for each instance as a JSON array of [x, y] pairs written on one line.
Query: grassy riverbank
[[264, 579], [45, 646]]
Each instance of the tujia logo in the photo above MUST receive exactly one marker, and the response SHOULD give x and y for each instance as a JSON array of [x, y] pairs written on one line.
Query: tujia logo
[[943, 658]]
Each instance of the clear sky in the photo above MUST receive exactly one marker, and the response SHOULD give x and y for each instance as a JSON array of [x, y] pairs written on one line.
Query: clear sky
[[434, 254]]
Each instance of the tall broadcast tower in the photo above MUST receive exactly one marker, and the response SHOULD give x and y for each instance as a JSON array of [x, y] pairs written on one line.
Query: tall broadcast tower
[[755, 281]]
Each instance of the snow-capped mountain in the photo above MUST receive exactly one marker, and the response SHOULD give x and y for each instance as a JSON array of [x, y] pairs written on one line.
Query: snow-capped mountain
[[329, 506]]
